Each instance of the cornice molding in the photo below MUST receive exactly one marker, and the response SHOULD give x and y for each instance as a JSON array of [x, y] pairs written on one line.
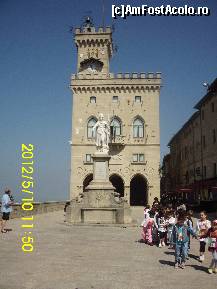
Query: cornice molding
[[113, 88]]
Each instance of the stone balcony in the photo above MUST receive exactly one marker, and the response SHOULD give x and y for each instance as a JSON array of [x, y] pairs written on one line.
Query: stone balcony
[[117, 140]]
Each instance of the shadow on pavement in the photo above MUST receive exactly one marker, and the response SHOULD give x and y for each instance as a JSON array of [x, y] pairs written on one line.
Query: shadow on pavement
[[169, 253], [164, 262], [8, 230], [193, 257], [199, 267]]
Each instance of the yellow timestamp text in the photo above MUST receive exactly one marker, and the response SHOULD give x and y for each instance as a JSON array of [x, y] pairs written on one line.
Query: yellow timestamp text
[[27, 191]]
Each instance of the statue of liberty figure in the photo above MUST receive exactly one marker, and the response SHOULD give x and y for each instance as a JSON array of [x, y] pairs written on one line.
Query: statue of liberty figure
[[102, 130]]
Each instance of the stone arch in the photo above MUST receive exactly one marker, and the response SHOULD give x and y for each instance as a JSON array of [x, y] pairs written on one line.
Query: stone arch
[[93, 89], [87, 180], [138, 190], [128, 89], [90, 117], [138, 116], [117, 182]]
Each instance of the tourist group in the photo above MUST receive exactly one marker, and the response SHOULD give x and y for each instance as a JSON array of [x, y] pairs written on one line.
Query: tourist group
[[173, 227]]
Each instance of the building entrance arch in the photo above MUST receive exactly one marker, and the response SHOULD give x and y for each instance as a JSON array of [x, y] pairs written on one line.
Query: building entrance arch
[[138, 191]]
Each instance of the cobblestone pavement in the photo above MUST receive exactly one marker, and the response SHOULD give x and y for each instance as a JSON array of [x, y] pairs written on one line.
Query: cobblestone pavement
[[70, 257]]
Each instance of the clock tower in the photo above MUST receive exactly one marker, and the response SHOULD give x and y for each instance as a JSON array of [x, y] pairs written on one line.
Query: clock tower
[[94, 48], [130, 103]]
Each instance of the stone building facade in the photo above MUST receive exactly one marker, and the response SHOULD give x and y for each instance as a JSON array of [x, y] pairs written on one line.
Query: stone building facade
[[130, 102], [166, 180], [193, 150]]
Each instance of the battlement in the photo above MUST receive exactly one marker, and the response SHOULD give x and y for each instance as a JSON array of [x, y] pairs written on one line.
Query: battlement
[[93, 30], [133, 75]]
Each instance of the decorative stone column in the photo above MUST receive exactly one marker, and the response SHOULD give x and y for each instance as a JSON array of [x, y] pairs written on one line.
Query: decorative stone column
[[100, 192], [127, 194]]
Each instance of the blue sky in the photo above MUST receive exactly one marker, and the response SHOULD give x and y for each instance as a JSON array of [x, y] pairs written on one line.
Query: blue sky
[[37, 56]]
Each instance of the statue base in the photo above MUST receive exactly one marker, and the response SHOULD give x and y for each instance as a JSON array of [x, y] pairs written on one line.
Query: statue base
[[79, 214], [99, 203]]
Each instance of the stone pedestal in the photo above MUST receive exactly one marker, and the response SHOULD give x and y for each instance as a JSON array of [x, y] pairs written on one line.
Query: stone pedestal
[[98, 204]]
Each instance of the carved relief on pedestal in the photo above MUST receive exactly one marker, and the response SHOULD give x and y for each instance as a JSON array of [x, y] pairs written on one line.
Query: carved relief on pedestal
[[99, 196]]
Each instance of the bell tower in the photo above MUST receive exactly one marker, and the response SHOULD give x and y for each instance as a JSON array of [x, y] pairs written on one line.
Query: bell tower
[[94, 48]]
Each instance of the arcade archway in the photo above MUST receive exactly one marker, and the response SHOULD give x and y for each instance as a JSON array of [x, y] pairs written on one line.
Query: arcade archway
[[138, 191], [87, 180], [118, 183]]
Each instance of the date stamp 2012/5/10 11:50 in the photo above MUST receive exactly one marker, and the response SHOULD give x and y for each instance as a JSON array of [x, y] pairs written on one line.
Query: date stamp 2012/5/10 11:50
[[27, 185]]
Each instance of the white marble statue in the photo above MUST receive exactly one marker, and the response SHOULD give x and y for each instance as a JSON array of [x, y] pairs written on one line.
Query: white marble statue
[[102, 129]]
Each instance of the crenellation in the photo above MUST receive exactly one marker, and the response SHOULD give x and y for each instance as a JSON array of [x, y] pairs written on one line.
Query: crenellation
[[88, 30], [150, 75], [93, 30], [88, 75], [108, 29], [77, 30], [119, 75], [153, 77], [126, 75]]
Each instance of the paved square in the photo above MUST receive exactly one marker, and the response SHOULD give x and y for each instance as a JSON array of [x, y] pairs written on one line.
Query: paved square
[[70, 257]]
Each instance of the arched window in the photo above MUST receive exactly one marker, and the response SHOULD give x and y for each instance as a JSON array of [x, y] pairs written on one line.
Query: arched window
[[93, 99], [90, 125], [115, 127], [138, 128]]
